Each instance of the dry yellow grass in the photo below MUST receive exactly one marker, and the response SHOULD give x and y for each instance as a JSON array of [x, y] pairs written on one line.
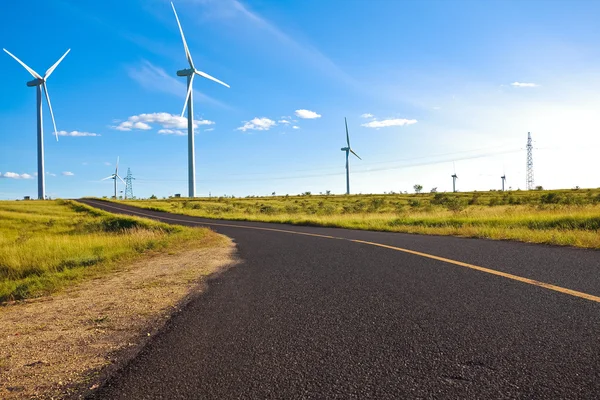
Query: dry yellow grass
[[553, 217], [46, 244]]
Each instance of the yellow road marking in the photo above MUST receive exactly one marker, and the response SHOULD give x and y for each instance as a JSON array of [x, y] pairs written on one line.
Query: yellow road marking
[[517, 278], [489, 271]]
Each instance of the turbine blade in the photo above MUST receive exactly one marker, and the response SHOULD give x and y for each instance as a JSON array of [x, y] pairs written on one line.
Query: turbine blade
[[117, 167], [185, 46], [50, 107], [121, 179], [204, 74], [31, 71], [187, 96], [347, 136], [52, 68], [108, 177], [352, 151]]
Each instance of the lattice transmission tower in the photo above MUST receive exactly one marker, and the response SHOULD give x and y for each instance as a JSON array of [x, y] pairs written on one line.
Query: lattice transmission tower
[[530, 184], [129, 184]]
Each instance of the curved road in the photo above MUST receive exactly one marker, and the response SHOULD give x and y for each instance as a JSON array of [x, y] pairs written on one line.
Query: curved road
[[335, 313]]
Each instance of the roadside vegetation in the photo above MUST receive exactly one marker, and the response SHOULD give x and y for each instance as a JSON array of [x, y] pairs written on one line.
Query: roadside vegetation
[[560, 217], [44, 245]]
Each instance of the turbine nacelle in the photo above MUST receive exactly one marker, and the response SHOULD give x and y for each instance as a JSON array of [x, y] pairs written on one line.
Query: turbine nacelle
[[185, 72], [35, 82], [345, 149]]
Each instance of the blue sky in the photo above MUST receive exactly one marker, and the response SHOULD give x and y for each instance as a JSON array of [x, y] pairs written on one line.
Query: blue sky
[[427, 87]]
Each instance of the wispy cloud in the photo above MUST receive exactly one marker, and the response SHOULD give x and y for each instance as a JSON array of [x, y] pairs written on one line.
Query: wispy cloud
[[307, 114], [257, 124], [154, 78], [284, 121], [234, 9], [522, 84], [76, 134], [106, 163], [50, 174], [14, 175], [295, 127], [389, 122], [367, 116], [169, 122], [176, 132], [67, 173]]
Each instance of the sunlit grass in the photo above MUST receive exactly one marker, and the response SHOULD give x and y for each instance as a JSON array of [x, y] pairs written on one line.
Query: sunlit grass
[[44, 244], [566, 217]]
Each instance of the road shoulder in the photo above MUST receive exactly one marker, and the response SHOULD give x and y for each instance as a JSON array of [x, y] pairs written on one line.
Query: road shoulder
[[65, 345]]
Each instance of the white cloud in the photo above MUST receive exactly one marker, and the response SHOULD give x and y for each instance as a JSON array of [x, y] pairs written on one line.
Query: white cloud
[[295, 127], [209, 129], [389, 122], [166, 120], [172, 132], [50, 174], [307, 114], [283, 121], [521, 84], [257, 124], [67, 173], [14, 175], [106, 163], [367, 115], [76, 134]]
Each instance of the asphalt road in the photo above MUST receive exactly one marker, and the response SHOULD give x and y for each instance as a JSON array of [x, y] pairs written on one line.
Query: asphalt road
[[316, 317]]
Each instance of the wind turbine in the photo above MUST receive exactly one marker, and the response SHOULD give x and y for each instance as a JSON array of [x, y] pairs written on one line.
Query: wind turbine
[[115, 176], [454, 178], [503, 177], [40, 83], [191, 72], [348, 150]]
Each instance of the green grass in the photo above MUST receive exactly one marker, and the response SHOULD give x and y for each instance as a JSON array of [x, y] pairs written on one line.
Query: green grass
[[560, 217], [44, 245]]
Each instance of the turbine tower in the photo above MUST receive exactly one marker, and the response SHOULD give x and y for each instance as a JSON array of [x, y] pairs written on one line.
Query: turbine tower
[[348, 150], [503, 177], [190, 73], [129, 184], [454, 178], [530, 184], [115, 176], [40, 83]]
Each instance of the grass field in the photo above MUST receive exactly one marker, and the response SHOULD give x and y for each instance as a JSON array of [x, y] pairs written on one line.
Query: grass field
[[561, 217], [46, 244]]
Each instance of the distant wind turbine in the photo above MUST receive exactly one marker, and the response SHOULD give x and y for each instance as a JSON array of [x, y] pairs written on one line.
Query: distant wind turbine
[[454, 178], [503, 177], [115, 176], [348, 150], [40, 83], [191, 72]]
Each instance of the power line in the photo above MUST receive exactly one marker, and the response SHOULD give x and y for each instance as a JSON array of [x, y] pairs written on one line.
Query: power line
[[338, 173]]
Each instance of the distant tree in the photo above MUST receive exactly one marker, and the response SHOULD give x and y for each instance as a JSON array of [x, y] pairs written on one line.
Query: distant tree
[[273, 194], [539, 188], [434, 190], [418, 188], [328, 192], [153, 197]]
